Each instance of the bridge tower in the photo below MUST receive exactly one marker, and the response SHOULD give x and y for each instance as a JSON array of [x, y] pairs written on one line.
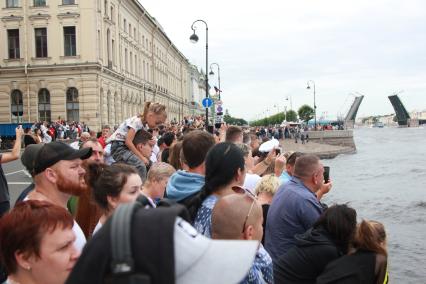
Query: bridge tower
[[351, 115], [400, 111]]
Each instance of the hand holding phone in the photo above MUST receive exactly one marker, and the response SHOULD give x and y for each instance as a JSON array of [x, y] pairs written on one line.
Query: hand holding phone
[[326, 174]]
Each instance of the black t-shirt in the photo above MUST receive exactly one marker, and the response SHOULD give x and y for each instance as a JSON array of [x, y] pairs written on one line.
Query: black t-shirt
[[265, 208], [28, 140], [4, 189]]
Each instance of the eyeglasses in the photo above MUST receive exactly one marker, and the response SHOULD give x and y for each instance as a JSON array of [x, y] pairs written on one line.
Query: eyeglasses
[[242, 190]]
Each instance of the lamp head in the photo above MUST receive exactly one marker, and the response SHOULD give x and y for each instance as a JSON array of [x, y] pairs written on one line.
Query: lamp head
[[211, 73], [193, 38], [308, 87]]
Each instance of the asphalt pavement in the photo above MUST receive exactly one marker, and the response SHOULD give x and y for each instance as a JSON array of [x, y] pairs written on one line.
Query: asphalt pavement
[[17, 179]]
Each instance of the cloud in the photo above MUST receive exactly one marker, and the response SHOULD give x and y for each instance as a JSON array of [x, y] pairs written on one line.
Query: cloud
[[268, 50]]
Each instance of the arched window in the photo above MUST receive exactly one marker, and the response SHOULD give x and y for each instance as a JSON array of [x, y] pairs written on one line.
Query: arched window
[[44, 105], [73, 107], [16, 106]]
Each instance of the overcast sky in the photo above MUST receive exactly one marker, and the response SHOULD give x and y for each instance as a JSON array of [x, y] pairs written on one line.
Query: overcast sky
[[268, 50]]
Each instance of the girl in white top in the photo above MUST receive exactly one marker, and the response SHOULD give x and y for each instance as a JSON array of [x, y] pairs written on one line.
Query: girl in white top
[[122, 147], [112, 185]]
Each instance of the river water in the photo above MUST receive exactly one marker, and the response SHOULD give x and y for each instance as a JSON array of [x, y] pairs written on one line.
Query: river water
[[386, 181]]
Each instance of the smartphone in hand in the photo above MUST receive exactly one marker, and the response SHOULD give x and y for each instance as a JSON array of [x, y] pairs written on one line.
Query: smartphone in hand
[[326, 174]]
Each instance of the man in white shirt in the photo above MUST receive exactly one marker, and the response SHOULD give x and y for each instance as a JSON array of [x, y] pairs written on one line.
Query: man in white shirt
[[58, 175]]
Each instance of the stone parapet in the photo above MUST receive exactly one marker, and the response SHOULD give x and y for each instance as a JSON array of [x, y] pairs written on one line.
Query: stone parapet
[[342, 138]]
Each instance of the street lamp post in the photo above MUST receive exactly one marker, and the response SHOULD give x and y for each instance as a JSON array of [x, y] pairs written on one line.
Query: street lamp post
[[218, 75], [194, 38], [315, 106]]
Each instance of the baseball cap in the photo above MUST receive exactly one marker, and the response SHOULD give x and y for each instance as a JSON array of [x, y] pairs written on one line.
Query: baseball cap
[[29, 155], [202, 260], [53, 152]]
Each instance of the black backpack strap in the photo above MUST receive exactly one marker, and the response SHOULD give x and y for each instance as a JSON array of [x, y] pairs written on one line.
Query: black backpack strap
[[122, 260]]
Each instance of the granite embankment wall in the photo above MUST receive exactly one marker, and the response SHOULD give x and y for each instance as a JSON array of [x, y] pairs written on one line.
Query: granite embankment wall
[[344, 138]]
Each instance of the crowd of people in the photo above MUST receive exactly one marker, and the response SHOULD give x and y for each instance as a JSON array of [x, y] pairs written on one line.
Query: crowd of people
[[215, 208]]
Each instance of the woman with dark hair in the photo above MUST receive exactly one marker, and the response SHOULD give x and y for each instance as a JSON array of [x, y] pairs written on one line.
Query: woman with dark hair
[[326, 241], [38, 135], [224, 169], [37, 243], [28, 137], [367, 264], [112, 186]]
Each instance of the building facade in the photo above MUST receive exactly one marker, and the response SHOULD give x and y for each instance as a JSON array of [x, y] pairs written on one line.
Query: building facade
[[95, 61]]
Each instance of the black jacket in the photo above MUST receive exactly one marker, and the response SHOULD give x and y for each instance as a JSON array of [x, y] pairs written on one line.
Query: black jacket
[[306, 261], [357, 268]]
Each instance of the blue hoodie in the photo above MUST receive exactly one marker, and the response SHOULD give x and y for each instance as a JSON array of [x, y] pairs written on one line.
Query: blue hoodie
[[183, 184]]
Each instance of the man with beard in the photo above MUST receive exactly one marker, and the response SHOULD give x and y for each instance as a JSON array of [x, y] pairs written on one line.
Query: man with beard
[[58, 175]]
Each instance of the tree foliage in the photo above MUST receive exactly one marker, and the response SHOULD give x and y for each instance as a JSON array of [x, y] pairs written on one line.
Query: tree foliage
[[233, 120], [306, 113], [291, 115]]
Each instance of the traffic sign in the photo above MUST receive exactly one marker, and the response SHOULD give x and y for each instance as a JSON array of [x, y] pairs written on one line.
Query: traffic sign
[[219, 109], [207, 102]]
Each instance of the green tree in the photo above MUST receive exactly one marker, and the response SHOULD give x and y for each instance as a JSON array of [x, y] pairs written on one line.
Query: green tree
[[306, 113], [233, 120], [291, 115]]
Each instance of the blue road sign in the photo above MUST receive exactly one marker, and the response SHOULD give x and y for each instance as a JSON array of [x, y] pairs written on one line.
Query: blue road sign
[[207, 102]]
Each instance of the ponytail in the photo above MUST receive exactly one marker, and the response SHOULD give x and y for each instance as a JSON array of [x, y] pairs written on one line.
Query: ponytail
[[369, 236], [222, 164], [93, 172]]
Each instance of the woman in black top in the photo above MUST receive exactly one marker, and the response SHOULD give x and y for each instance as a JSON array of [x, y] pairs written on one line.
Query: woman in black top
[[28, 137], [367, 264], [328, 240]]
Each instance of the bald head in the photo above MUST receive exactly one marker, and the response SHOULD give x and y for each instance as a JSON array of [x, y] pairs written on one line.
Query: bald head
[[229, 215]]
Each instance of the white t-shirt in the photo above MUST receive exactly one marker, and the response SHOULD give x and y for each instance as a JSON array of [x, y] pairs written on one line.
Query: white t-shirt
[[251, 181], [155, 151], [121, 132], [97, 228], [80, 239]]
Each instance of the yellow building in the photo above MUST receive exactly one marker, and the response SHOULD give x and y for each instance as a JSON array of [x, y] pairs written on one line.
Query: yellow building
[[86, 60]]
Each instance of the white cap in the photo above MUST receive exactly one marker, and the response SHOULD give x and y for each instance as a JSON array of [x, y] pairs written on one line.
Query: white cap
[[202, 260], [269, 145]]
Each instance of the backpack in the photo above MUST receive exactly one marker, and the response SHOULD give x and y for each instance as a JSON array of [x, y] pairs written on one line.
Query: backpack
[[124, 253]]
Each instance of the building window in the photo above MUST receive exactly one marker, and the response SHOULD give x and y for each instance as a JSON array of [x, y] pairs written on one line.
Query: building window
[[13, 43], [12, 3], [106, 8], [125, 25], [16, 106], [70, 48], [112, 13], [131, 62], [39, 3], [68, 2], [73, 106], [41, 42], [126, 60], [44, 105], [113, 51]]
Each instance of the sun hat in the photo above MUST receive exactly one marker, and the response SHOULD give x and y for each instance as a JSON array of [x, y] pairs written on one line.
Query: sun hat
[[202, 260], [269, 145]]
